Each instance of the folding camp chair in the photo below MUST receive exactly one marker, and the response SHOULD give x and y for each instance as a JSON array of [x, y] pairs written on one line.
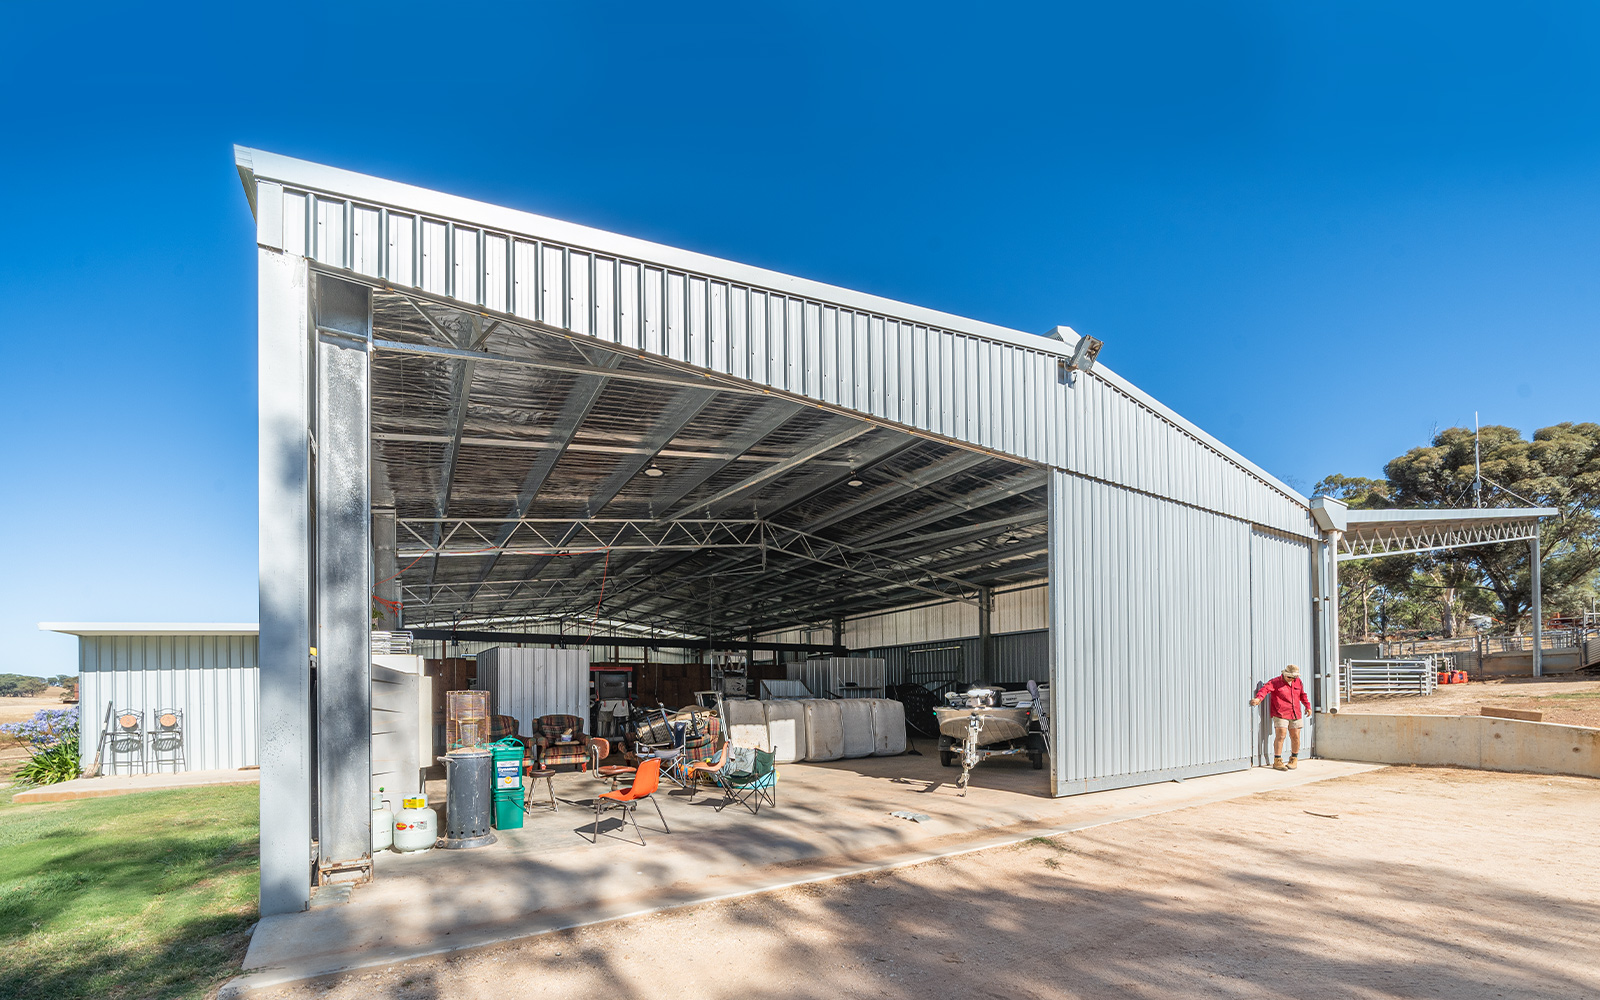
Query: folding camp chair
[[753, 787]]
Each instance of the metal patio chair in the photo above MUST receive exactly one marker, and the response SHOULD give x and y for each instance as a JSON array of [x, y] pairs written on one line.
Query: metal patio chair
[[127, 741], [166, 739]]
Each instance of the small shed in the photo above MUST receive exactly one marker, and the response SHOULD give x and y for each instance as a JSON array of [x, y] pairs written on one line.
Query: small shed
[[206, 671]]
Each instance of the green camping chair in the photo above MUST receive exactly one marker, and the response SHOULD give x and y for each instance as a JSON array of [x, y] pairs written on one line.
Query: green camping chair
[[750, 788]]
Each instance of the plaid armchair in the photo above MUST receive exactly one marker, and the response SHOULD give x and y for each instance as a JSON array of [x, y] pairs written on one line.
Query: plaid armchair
[[553, 751], [707, 743]]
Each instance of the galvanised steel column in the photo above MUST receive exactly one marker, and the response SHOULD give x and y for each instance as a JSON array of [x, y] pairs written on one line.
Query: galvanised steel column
[[386, 568], [1333, 617], [284, 498], [1056, 612], [985, 633], [344, 575], [1538, 606]]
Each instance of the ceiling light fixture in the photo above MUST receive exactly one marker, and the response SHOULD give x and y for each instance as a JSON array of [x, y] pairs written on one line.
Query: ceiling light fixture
[[653, 472], [853, 482]]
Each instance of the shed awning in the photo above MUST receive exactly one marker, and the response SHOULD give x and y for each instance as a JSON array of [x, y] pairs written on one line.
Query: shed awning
[[1367, 534]]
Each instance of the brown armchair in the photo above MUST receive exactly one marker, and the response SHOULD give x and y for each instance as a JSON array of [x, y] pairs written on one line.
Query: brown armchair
[[554, 751]]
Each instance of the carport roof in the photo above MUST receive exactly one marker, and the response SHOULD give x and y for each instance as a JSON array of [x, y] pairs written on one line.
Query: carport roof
[[1367, 534]]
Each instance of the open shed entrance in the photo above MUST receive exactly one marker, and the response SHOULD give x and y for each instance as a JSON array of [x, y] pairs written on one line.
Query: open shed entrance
[[554, 490]]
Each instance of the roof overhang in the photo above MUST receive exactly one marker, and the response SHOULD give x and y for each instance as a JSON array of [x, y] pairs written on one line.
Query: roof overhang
[[151, 628], [1368, 534]]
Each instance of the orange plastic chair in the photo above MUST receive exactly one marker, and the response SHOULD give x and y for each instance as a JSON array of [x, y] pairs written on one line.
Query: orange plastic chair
[[709, 767], [644, 783]]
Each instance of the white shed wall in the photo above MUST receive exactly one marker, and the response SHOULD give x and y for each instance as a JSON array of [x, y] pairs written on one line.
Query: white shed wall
[[212, 678]]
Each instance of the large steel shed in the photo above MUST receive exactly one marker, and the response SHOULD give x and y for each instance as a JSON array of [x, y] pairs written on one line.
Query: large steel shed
[[497, 420]]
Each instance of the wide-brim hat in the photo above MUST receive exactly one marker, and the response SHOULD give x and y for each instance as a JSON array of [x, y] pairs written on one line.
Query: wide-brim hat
[[1291, 671]]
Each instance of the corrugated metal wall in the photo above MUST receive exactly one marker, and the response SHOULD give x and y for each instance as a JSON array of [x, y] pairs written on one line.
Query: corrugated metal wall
[[974, 385], [1014, 658], [527, 683], [1024, 610], [1281, 602], [212, 678], [1151, 637]]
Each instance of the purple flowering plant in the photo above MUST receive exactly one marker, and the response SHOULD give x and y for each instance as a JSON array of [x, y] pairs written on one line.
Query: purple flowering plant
[[51, 737], [49, 727]]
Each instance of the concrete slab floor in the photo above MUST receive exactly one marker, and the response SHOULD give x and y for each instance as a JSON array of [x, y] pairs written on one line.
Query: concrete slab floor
[[831, 820], [126, 784]]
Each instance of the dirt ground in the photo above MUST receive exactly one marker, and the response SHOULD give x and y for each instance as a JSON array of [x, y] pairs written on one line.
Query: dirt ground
[[1571, 701], [1402, 882]]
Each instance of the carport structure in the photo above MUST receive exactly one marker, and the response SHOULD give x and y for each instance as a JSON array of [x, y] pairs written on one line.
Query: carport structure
[[490, 420]]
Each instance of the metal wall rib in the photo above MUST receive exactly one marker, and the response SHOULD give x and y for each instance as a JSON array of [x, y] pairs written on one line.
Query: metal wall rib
[[211, 678], [961, 385]]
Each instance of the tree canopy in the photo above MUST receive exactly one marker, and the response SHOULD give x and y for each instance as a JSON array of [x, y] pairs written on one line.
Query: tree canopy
[[1559, 467]]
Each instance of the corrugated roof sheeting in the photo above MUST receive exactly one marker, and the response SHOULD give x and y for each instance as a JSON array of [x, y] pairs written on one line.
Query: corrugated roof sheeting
[[212, 679], [991, 391]]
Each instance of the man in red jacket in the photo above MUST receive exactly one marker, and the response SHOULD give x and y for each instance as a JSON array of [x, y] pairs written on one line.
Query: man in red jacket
[[1287, 696]]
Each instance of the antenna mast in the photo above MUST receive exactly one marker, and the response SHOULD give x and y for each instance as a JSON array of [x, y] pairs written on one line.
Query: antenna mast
[[1477, 466]]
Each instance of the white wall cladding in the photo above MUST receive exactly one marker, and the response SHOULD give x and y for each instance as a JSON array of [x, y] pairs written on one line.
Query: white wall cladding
[[1160, 621], [1014, 657], [955, 378], [1281, 602], [1020, 610], [527, 683], [935, 621], [211, 678]]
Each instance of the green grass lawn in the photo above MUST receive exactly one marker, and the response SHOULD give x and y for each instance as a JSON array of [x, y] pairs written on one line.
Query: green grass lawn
[[134, 896]]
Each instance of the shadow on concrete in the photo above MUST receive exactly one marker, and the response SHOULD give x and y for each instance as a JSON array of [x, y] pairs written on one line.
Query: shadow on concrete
[[1193, 912]]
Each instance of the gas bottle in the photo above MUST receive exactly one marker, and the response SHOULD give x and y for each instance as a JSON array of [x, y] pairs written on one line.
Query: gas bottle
[[416, 826], [382, 822]]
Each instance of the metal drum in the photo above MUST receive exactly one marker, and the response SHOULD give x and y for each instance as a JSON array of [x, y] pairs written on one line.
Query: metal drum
[[469, 798]]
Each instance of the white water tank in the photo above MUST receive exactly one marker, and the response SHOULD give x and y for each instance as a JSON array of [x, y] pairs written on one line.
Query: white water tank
[[888, 727], [824, 730], [786, 728], [746, 724], [855, 723]]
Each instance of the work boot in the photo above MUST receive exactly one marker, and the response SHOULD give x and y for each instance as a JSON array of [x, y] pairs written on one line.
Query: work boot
[[1293, 762], [1278, 765]]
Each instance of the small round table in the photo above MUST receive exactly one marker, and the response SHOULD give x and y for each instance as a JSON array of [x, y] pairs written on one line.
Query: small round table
[[615, 773], [534, 774]]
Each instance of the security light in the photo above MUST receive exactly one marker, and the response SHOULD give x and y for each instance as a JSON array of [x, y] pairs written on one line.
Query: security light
[[1082, 360]]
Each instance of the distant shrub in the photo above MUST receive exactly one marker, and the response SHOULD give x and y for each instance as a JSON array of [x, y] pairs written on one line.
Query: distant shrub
[[51, 737]]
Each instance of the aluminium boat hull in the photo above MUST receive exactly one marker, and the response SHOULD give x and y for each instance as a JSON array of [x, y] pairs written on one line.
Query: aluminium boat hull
[[999, 724]]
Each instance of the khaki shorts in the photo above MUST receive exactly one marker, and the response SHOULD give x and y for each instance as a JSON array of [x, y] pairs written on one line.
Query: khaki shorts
[[1278, 723]]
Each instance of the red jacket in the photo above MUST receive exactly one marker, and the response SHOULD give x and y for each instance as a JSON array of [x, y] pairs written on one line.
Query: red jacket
[[1284, 698]]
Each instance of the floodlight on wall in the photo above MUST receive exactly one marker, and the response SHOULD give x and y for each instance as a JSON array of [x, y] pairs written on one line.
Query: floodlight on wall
[[1082, 359], [653, 472]]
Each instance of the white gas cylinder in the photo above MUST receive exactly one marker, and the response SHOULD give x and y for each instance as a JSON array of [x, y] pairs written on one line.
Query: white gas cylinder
[[416, 826], [382, 822]]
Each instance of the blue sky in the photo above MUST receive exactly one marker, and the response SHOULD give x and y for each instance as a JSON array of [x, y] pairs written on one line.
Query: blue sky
[[1320, 231]]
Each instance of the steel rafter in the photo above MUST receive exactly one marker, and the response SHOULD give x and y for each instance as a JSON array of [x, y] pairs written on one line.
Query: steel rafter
[[580, 400], [672, 421], [559, 536], [1372, 541]]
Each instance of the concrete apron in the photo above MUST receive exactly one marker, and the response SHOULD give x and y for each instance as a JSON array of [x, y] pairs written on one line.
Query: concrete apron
[[128, 784], [832, 820]]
